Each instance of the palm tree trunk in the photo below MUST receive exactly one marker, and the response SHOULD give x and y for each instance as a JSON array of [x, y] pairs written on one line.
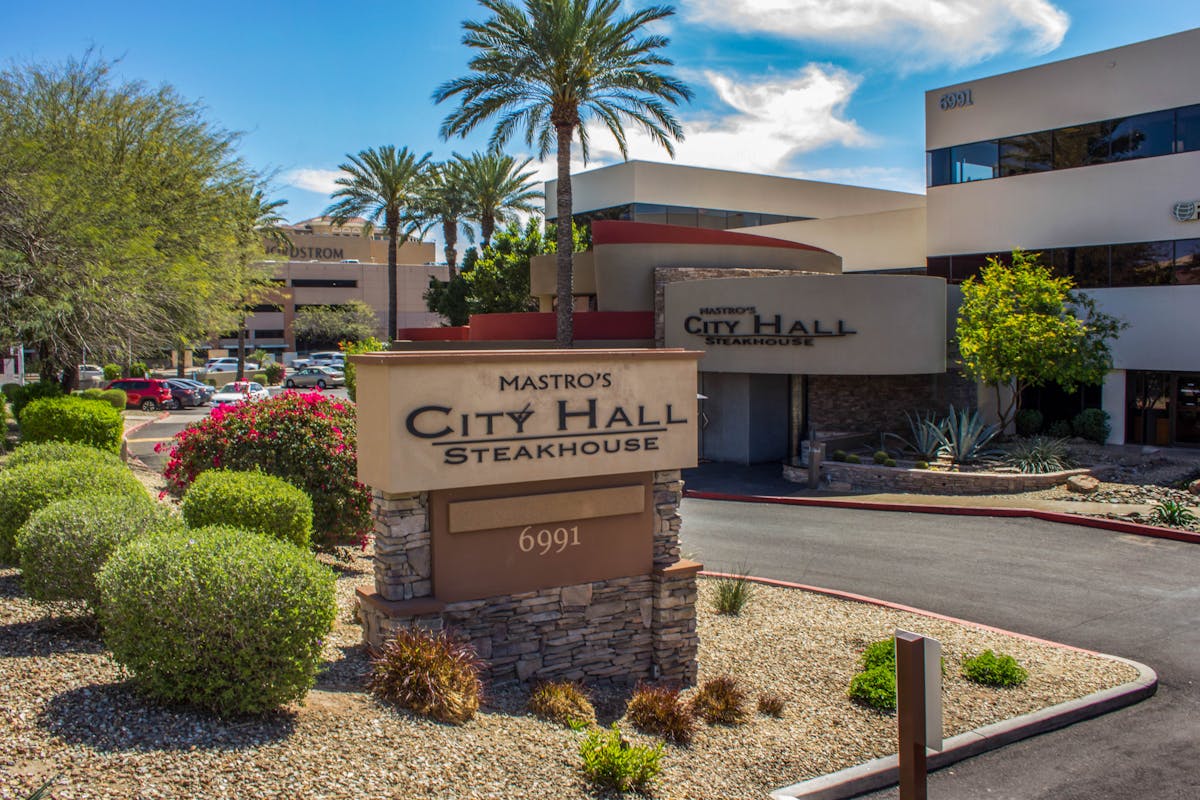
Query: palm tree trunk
[[241, 349], [565, 281], [450, 234], [393, 226], [487, 222]]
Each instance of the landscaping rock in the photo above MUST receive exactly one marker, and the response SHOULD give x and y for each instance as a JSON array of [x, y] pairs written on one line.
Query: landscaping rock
[[1194, 486], [1083, 484]]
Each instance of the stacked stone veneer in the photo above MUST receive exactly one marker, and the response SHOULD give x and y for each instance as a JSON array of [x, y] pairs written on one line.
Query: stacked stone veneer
[[842, 477], [620, 630], [874, 403]]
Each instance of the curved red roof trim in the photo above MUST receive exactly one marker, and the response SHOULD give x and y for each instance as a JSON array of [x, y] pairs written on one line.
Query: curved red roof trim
[[612, 231]]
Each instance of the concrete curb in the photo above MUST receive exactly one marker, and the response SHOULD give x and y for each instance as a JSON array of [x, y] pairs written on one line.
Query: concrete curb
[[126, 456], [1135, 528]]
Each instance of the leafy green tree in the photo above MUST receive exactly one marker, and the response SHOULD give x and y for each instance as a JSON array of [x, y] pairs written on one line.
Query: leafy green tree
[[1021, 327], [123, 225], [318, 327], [367, 345], [383, 185], [496, 186], [548, 66]]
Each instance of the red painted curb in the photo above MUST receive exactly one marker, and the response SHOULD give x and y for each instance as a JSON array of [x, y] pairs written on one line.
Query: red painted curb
[[1135, 528], [161, 415]]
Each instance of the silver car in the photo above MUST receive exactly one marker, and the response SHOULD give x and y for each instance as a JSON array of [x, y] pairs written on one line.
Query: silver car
[[320, 377]]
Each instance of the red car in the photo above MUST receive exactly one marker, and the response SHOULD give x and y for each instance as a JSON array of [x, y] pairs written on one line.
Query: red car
[[148, 394]]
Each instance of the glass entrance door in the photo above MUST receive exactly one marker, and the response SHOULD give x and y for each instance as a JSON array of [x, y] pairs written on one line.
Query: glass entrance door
[[1163, 408], [1187, 410]]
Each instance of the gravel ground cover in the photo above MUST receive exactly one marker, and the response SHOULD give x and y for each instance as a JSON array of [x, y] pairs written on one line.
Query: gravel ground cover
[[64, 708]]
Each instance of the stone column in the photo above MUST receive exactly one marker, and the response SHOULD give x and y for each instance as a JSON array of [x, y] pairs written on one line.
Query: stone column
[[403, 570], [675, 642]]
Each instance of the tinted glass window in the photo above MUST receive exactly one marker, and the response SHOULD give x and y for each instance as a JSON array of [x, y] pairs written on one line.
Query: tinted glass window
[[742, 219], [968, 266], [771, 219], [1087, 266], [647, 212], [1142, 263], [710, 218], [1187, 129], [938, 266], [1081, 145], [1142, 136], [681, 216], [1187, 261], [937, 167], [974, 162], [1020, 155]]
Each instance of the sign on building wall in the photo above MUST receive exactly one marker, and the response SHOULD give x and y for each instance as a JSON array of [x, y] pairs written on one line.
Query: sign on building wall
[[485, 418]]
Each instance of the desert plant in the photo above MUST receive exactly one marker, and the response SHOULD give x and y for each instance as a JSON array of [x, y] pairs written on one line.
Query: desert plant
[[431, 674], [217, 617], [879, 654], [853, 459], [838, 455], [62, 546], [306, 439], [921, 465], [613, 764], [771, 704], [660, 711], [42, 791], [881, 456], [274, 373], [1171, 513], [875, 688], [924, 432], [721, 700], [73, 419], [24, 490], [250, 500], [49, 452], [1028, 421], [112, 372], [1040, 454], [733, 592], [564, 702], [992, 669], [1092, 424], [1060, 429], [964, 435]]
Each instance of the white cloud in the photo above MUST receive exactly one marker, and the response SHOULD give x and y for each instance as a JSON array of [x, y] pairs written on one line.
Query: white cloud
[[894, 178], [312, 180], [921, 32]]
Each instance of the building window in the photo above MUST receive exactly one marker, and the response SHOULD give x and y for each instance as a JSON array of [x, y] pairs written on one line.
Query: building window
[[266, 308], [1142, 136], [712, 219], [649, 212], [1020, 155], [1187, 129], [677, 215], [1142, 263], [325, 283], [974, 162], [742, 219], [268, 333], [1187, 261], [1081, 145]]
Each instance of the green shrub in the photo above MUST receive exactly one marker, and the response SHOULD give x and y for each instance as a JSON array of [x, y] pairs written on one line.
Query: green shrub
[[137, 369], [771, 704], [273, 373], [431, 674], [879, 654], [24, 395], [733, 593], [891, 462], [10, 390], [92, 394], [112, 372], [115, 398], [921, 465], [62, 546], [217, 617], [1039, 455], [73, 419], [613, 764], [1060, 429], [875, 688], [881, 456], [1172, 514], [370, 345], [853, 459], [260, 377], [24, 490], [1092, 424], [991, 669], [1028, 421], [658, 710], [721, 700], [48, 452], [564, 702], [250, 500], [838, 455]]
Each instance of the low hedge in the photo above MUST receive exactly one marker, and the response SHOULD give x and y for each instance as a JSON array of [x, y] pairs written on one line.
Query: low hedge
[[24, 490], [73, 419], [62, 546], [217, 617], [250, 500], [50, 452], [22, 396], [115, 398]]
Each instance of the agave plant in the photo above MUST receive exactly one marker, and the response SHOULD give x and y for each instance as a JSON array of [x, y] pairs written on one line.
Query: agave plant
[[1172, 513], [926, 439], [963, 435]]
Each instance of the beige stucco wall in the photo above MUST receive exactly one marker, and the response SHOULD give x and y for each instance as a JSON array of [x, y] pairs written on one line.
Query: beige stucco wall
[[1164, 326], [882, 240], [330, 247], [680, 185]]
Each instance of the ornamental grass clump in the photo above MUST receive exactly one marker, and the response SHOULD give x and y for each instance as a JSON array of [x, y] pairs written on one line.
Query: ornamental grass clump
[[250, 500], [612, 764], [564, 702], [992, 669], [1040, 454], [733, 593], [721, 701], [217, 617], [1171, 513], [307, 440], [63, 546], [771, 704], [659, 710], [30, 488], [73, 419], [431, 674], [49, 452]]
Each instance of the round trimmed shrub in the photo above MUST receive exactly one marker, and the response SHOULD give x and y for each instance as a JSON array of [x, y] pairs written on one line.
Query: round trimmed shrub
[[879, 654], [991, 669], [874, 688], [92, 394], [112, 372], [250, 500], [73, 419], [24, 490], [115, 398], [62, 546], [1028, 421], [217, 617], [24, 395], [1092, 424], [49, 452]]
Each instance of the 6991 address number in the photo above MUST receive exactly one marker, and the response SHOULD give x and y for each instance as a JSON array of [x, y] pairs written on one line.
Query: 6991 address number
[[547, 541]]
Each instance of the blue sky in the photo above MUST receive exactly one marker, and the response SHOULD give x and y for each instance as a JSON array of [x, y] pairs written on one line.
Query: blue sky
[[826, 89]]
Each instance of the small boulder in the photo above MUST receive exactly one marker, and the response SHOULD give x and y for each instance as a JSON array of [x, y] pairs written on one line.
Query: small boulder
[[1194, 486], [1083, 484]]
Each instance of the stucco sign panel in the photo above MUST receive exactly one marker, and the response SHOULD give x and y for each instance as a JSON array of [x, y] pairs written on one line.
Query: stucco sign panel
[[478, 418]]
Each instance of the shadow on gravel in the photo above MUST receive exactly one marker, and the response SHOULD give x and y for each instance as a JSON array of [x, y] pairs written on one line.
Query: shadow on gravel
[[10, 584], [48, 636], [346, 674], [114, 718]]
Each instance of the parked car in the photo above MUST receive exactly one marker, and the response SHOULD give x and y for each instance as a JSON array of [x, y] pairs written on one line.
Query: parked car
[[327, 358], [228, 364], [184, 394], [240, 392], [320, 377], [206, 391], [148, 394], [91, 372]]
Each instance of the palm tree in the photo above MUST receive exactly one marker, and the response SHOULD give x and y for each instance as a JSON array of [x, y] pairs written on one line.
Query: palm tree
[[495, 186], [550, 66], [443, 199], [381, 184]]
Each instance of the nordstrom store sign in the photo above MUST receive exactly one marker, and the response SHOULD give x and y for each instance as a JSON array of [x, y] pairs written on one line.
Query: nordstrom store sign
[[811, 324]]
